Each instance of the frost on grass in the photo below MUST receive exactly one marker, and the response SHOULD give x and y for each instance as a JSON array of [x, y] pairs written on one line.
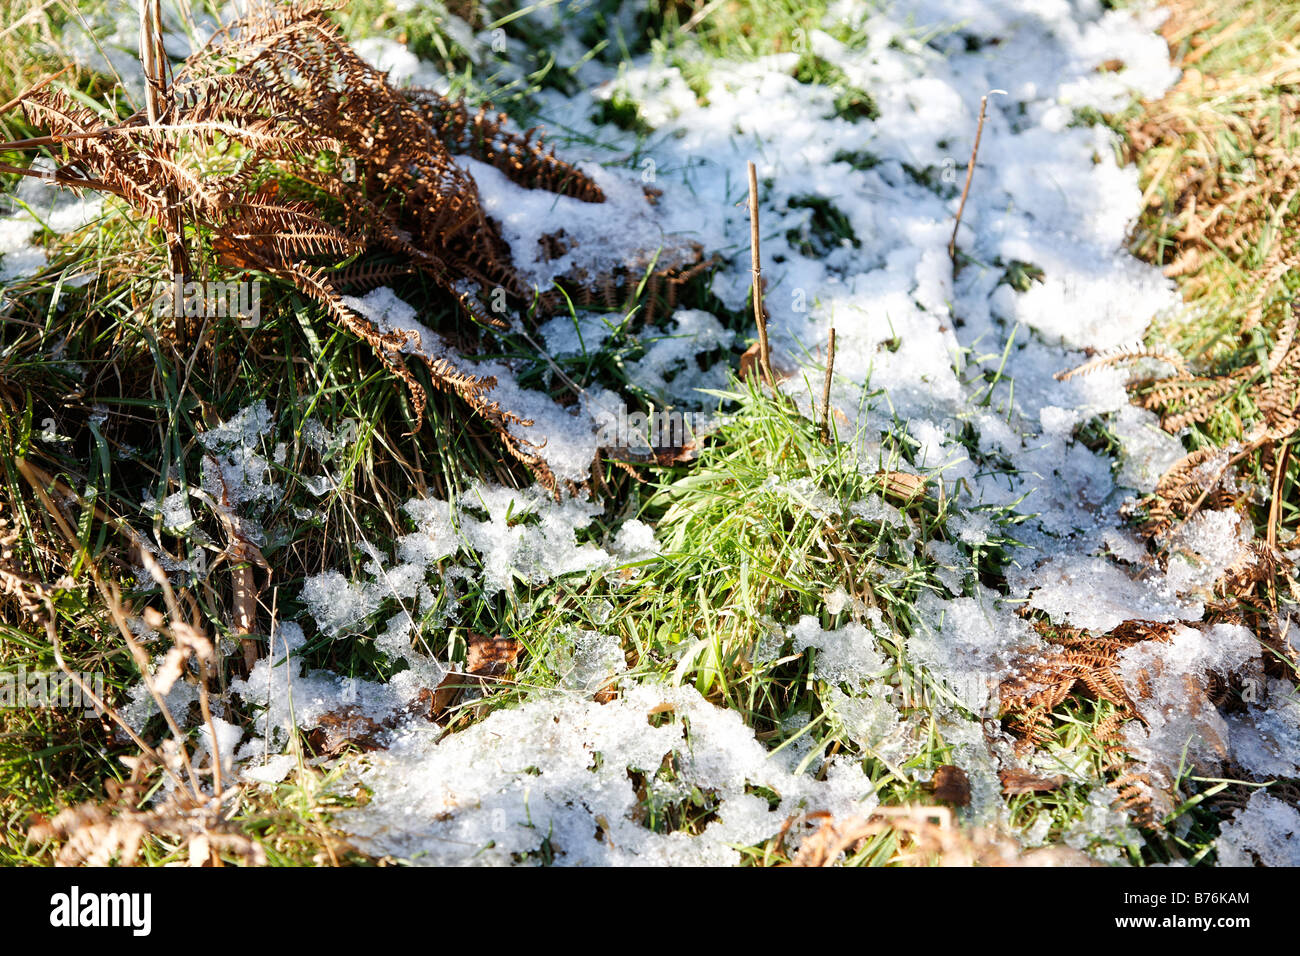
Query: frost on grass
[[511, 536], [856, 217], [555, 780]]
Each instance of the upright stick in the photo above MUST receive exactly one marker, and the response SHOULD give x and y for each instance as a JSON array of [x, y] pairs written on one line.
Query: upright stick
[[760, 317], [970, 172], [826, 386], [153, 58]]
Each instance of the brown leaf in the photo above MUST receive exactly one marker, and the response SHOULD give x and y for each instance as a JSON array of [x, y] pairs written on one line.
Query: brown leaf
[[749, 365], [340, 728], [1020, 781], [951, 785], [490, 656], [424, 705], [485, 657], [902, 486]]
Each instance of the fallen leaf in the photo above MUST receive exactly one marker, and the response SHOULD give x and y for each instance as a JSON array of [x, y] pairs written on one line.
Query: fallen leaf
[[490, 656], [902, 486], [951, 785], [340, 728], [485, 657], [1020, 781]]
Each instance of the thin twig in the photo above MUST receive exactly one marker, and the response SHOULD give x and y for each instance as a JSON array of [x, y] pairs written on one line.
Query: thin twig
[[153, 57], [826, 386], [114, 604], [760, 317], [970, 172], [1280, 457], [34, 88]]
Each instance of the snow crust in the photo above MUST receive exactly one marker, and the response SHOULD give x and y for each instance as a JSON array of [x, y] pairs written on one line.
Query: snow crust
[[963, 362]]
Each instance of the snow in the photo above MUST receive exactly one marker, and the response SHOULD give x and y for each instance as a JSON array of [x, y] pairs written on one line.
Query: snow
[[960, 361], [1265, 740], [403, 67], [588, 661], [1179, 726], [969, 643], [846, 654], [556, 771], [272, 771], [569, 335], [565, 438], [227, 735], [668, 368], [1097, 595], [235, 473], [645, 232], [44, 206], [1265, 830]]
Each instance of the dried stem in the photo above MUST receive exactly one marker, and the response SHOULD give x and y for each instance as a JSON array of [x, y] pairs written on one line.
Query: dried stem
[[153, 58], [34, 88], [119, 618], [1280, 457], [760, 317], [826, 386], [970, 172]]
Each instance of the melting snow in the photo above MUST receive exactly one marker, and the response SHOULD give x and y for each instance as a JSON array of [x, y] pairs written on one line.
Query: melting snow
[[967, 362], [1266, 829], [557, 771]]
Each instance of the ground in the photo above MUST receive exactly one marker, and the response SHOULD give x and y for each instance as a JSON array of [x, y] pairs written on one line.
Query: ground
[[991, 582]]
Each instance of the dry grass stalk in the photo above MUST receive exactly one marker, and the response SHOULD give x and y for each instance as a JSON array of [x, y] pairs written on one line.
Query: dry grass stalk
[[826, 385], [189, 810], [970, 172], [760, 316]]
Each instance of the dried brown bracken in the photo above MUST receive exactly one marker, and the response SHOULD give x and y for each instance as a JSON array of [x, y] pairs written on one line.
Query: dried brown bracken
[[264, 102], [1222, 147], [1080, 662], [116, 831], [1087, 664], [922, 836]]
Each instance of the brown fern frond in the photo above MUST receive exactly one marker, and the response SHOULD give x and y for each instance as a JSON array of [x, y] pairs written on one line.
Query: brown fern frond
[[265, 99], [1123, 354]]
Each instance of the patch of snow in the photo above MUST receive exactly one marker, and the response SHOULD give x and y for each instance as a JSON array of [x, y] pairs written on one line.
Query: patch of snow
[[555, 771], [1264, 832]]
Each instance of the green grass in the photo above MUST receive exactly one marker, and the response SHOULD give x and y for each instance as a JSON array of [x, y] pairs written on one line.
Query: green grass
[[746, 558]]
